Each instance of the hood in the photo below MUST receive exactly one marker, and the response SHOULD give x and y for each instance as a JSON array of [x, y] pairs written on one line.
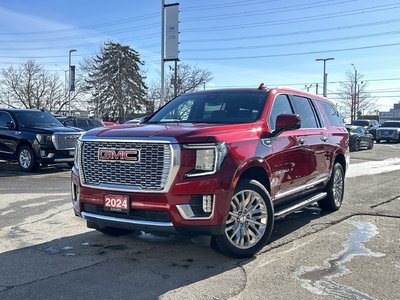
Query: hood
[[51, 130], [183, 133]]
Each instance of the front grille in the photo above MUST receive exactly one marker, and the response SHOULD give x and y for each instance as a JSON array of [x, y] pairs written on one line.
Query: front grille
[[150, 173], [65, 141]]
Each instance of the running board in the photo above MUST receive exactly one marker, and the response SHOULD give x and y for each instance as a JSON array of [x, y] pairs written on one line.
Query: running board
[[286, 210]]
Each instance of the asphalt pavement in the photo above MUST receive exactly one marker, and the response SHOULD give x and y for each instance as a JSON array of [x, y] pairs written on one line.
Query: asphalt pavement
[[354, 253]]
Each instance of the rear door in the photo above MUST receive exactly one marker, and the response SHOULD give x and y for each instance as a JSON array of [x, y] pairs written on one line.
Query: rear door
[[316, 138], [8, 139]]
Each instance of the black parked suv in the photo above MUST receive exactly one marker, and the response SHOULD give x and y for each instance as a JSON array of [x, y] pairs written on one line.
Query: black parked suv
[[371, 125], [33, 136]]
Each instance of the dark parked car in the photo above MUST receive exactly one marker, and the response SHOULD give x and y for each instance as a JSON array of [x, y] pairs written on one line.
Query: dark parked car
[[359, 137], [84, 123], [32, 137], [371, 125], [390, 131]]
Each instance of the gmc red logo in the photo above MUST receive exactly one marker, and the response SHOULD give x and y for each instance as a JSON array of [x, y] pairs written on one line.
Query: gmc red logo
[[121, 155]]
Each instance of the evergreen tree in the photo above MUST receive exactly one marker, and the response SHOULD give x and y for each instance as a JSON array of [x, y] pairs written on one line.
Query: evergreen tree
[[118, 88]]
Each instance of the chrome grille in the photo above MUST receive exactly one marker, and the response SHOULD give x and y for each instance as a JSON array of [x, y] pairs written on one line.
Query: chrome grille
[[150, 173], [65, 141]]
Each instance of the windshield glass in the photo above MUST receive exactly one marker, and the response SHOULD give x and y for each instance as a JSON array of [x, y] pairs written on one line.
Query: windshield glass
[[36, 119], [360, 123], [391, 124], [219, 107]]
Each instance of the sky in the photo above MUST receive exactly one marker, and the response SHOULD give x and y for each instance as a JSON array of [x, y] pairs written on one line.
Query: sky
[[243, 43]]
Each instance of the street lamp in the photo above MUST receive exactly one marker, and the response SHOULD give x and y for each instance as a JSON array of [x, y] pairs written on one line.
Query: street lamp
[[69, 81], [354, 101], [325, 75]]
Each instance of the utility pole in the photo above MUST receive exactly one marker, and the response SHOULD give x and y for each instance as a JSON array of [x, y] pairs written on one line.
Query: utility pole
[[162, 52], [325, 76], [354, 101], [70, 80], [307, 86]]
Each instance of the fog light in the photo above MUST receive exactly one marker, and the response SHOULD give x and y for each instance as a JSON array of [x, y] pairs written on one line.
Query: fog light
[[207, 203]]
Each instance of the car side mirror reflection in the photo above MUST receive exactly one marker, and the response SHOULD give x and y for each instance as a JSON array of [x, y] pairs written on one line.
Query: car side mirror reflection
[[286, 122]]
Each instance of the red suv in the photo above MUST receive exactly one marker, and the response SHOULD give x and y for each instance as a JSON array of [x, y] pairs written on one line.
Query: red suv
[[222, 162]]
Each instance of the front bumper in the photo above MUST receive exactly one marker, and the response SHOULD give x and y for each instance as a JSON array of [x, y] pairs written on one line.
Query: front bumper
[[152, 212], [50, 155]]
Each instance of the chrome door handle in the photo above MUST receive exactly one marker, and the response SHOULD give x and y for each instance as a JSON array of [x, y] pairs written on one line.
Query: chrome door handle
[[300, 142], [323, 138]]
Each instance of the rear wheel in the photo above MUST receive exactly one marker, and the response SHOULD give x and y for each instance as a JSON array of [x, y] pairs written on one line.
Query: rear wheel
[[250, 221], [26, 159], [335, 190]]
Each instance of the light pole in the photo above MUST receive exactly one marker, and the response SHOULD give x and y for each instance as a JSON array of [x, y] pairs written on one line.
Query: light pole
[[354, 96], [325, 75], [69, 81]]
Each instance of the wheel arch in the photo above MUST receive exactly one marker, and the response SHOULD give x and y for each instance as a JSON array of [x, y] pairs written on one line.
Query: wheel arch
[[254, 170]]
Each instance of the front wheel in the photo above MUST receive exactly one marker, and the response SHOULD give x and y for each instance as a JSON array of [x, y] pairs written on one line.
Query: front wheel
[[335, 189], [250, 221], [26, 159], [371, 144]]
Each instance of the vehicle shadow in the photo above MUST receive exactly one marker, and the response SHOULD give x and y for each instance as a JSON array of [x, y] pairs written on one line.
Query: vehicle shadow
[[140, 266]]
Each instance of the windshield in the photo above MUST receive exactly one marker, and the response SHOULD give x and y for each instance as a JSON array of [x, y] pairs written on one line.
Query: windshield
[[219, 107], [360, 123], [391, 124], [36, 119]]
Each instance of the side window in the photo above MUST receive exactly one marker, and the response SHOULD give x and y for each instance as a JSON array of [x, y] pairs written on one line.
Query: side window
[[82, 124], [303, 107], [69, 122], [334, 118], [281, 106], [4, 118]]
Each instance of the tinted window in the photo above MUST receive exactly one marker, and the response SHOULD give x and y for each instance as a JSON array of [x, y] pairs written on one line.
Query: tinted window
[[302, 106], [333, 116], [95, 123], [218, 107], [81, 123], [36, 119], [361, 123], [4, 118], [391, 124], [69, 122], [281, 106]]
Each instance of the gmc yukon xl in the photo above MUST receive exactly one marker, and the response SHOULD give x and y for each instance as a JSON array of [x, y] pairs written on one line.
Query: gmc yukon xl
[[226, 163]]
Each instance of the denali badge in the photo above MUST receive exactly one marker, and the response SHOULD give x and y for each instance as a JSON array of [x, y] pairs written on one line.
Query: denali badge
[[121, 155]]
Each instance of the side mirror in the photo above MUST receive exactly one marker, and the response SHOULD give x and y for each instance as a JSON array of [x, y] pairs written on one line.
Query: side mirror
[[10, 125], [286, 122], [144, 119]]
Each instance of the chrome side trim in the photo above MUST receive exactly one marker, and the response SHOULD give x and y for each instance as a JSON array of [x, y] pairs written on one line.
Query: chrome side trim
[[87, 216], [301, 188], [174, 168], [64, 159], [6, 152], [289, 210]]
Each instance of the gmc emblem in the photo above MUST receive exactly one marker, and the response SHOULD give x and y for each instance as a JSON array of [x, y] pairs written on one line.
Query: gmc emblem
[[121, 155]]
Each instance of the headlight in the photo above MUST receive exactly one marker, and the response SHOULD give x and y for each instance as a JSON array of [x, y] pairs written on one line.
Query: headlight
[[209, 158], [77, 152], [44, 139]]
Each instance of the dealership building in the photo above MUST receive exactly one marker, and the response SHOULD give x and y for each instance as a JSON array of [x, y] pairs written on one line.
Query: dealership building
[[392, 114]]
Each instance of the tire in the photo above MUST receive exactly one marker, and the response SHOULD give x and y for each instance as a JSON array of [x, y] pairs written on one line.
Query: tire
[[26, 159], [371, 144], [378, 141], [335, 190], [356, 146], [249, 223], [112, 231]]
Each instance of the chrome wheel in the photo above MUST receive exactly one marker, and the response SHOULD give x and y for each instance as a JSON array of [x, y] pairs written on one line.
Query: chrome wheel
[[337, 187], [25, 159], [247, 220]]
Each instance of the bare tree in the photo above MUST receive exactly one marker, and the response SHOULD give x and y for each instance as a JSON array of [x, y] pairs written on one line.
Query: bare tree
[[31, 86], [353, 96], [189, 78]]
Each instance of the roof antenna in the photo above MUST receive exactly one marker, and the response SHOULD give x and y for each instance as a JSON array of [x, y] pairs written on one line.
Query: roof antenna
[[261, 86]]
